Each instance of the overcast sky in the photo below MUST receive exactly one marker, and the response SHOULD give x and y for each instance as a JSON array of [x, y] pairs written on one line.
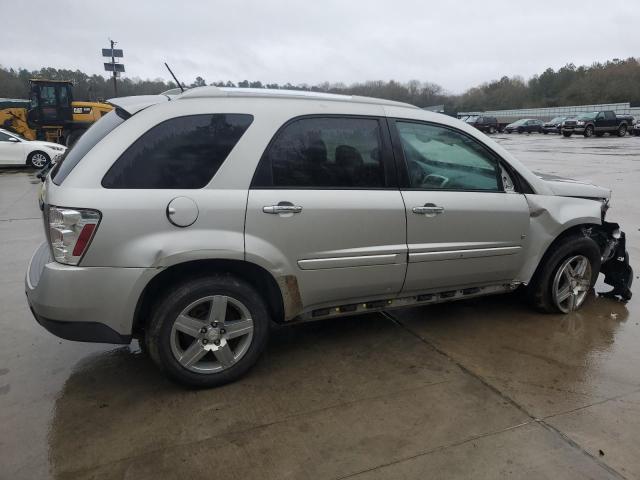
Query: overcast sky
[[455, 43]]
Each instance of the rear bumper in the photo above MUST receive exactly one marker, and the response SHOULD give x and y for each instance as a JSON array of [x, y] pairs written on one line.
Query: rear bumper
[[89, 304], [82, 331]]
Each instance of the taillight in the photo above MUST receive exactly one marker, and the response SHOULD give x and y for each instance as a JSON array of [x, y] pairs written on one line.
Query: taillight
[[70, 232]]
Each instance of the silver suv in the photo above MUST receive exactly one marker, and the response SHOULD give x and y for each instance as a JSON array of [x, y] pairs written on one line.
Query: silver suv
[[194, 222]]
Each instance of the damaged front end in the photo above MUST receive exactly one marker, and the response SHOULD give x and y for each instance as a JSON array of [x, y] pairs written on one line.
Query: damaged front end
[[615, 259]]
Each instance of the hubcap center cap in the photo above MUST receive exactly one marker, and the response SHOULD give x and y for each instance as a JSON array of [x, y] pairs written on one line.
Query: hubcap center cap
[[212, 334]]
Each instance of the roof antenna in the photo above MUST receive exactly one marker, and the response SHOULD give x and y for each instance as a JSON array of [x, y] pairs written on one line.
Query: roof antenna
[[174, 77]]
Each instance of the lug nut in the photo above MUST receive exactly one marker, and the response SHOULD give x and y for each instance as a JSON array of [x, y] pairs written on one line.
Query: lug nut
[[223, 331], [203, 330], [216, 342], [214, 324], [205, 341]]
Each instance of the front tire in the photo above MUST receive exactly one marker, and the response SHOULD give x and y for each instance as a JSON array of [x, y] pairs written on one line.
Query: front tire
[[208, 331], [588, 131], [492, 130], [566, 274], [37, 159], [567, 134]]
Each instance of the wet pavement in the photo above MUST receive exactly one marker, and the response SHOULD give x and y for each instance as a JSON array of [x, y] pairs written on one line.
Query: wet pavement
[[484, 388]]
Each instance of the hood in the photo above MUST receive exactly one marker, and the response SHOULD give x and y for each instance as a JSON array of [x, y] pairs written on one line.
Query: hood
[[566, 187], [46, 144]]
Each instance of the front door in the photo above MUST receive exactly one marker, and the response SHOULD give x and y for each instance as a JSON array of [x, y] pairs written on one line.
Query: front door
[[322, 208], [463, 229], [11, 150]]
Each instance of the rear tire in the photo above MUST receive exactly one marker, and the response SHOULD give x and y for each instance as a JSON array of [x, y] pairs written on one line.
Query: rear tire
[[38, 159], [492, 130], [221, 354], [599, 134], [622, 130], [541, 288], [567, 134]]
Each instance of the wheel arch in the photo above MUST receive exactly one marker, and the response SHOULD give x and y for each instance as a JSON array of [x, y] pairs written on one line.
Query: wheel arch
[[263, 281], [569, 231]]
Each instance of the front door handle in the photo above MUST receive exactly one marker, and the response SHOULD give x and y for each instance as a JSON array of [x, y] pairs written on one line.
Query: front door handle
[[282, 207], [429, 209]]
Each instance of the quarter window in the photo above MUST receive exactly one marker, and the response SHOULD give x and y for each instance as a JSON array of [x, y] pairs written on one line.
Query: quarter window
[[184, 152], [444, 159], [327, 152]]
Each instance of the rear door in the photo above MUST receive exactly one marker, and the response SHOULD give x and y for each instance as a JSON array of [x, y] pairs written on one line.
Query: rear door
[[463, 229], [323, 207]]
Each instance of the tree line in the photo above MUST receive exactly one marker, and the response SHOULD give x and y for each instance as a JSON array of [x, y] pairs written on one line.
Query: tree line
[[612, 81]]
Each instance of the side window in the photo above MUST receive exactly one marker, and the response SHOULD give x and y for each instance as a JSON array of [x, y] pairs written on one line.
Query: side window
[[183, 152], [329, 152], [64, 96], [4, 137], [439, 158]]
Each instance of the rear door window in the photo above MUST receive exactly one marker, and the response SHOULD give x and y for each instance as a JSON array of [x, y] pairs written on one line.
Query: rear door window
[[180, 153], [319, 152]]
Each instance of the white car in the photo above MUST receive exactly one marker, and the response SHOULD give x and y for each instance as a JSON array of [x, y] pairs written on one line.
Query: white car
[[17, 150]]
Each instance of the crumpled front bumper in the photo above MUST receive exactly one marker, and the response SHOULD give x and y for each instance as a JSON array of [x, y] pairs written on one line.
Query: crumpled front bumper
[[615, 267]]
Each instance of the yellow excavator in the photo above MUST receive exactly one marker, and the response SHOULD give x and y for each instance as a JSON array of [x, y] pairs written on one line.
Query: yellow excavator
[[50, 114]]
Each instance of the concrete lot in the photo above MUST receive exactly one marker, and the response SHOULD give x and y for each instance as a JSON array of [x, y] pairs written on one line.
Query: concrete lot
[[478, 389]]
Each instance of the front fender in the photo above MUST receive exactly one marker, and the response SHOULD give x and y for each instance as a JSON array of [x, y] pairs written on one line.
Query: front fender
[[549, 217]]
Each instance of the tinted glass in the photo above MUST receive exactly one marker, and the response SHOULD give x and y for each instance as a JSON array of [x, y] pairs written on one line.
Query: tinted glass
[[324, 152], [64, 96], [4, 137], [86, 142], [48, 95], [441, 158], [184, 152]]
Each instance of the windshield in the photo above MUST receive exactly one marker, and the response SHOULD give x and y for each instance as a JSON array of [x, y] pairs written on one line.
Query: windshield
[[587, 116], [91, 137], [472, 118], [519, 122], [558, 119]]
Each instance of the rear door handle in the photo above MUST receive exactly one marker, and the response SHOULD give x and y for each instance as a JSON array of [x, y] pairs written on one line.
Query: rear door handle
[[275, 209], [429, 209]]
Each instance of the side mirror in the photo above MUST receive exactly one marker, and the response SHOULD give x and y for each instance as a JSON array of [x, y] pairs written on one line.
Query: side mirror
[[14, 140]]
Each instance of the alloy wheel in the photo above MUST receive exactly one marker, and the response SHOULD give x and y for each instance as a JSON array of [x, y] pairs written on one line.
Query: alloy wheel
[[212, 334], [571, 283], [38, 160]]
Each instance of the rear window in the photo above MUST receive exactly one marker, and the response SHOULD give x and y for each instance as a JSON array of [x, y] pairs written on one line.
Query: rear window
[[183, 152], [86, 142]]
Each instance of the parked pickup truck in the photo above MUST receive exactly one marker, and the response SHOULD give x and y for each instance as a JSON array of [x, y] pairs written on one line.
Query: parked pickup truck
[[597, 123]]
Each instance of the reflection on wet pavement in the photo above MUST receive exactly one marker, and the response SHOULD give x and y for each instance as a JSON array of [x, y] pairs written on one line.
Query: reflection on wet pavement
[[484, 388]]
